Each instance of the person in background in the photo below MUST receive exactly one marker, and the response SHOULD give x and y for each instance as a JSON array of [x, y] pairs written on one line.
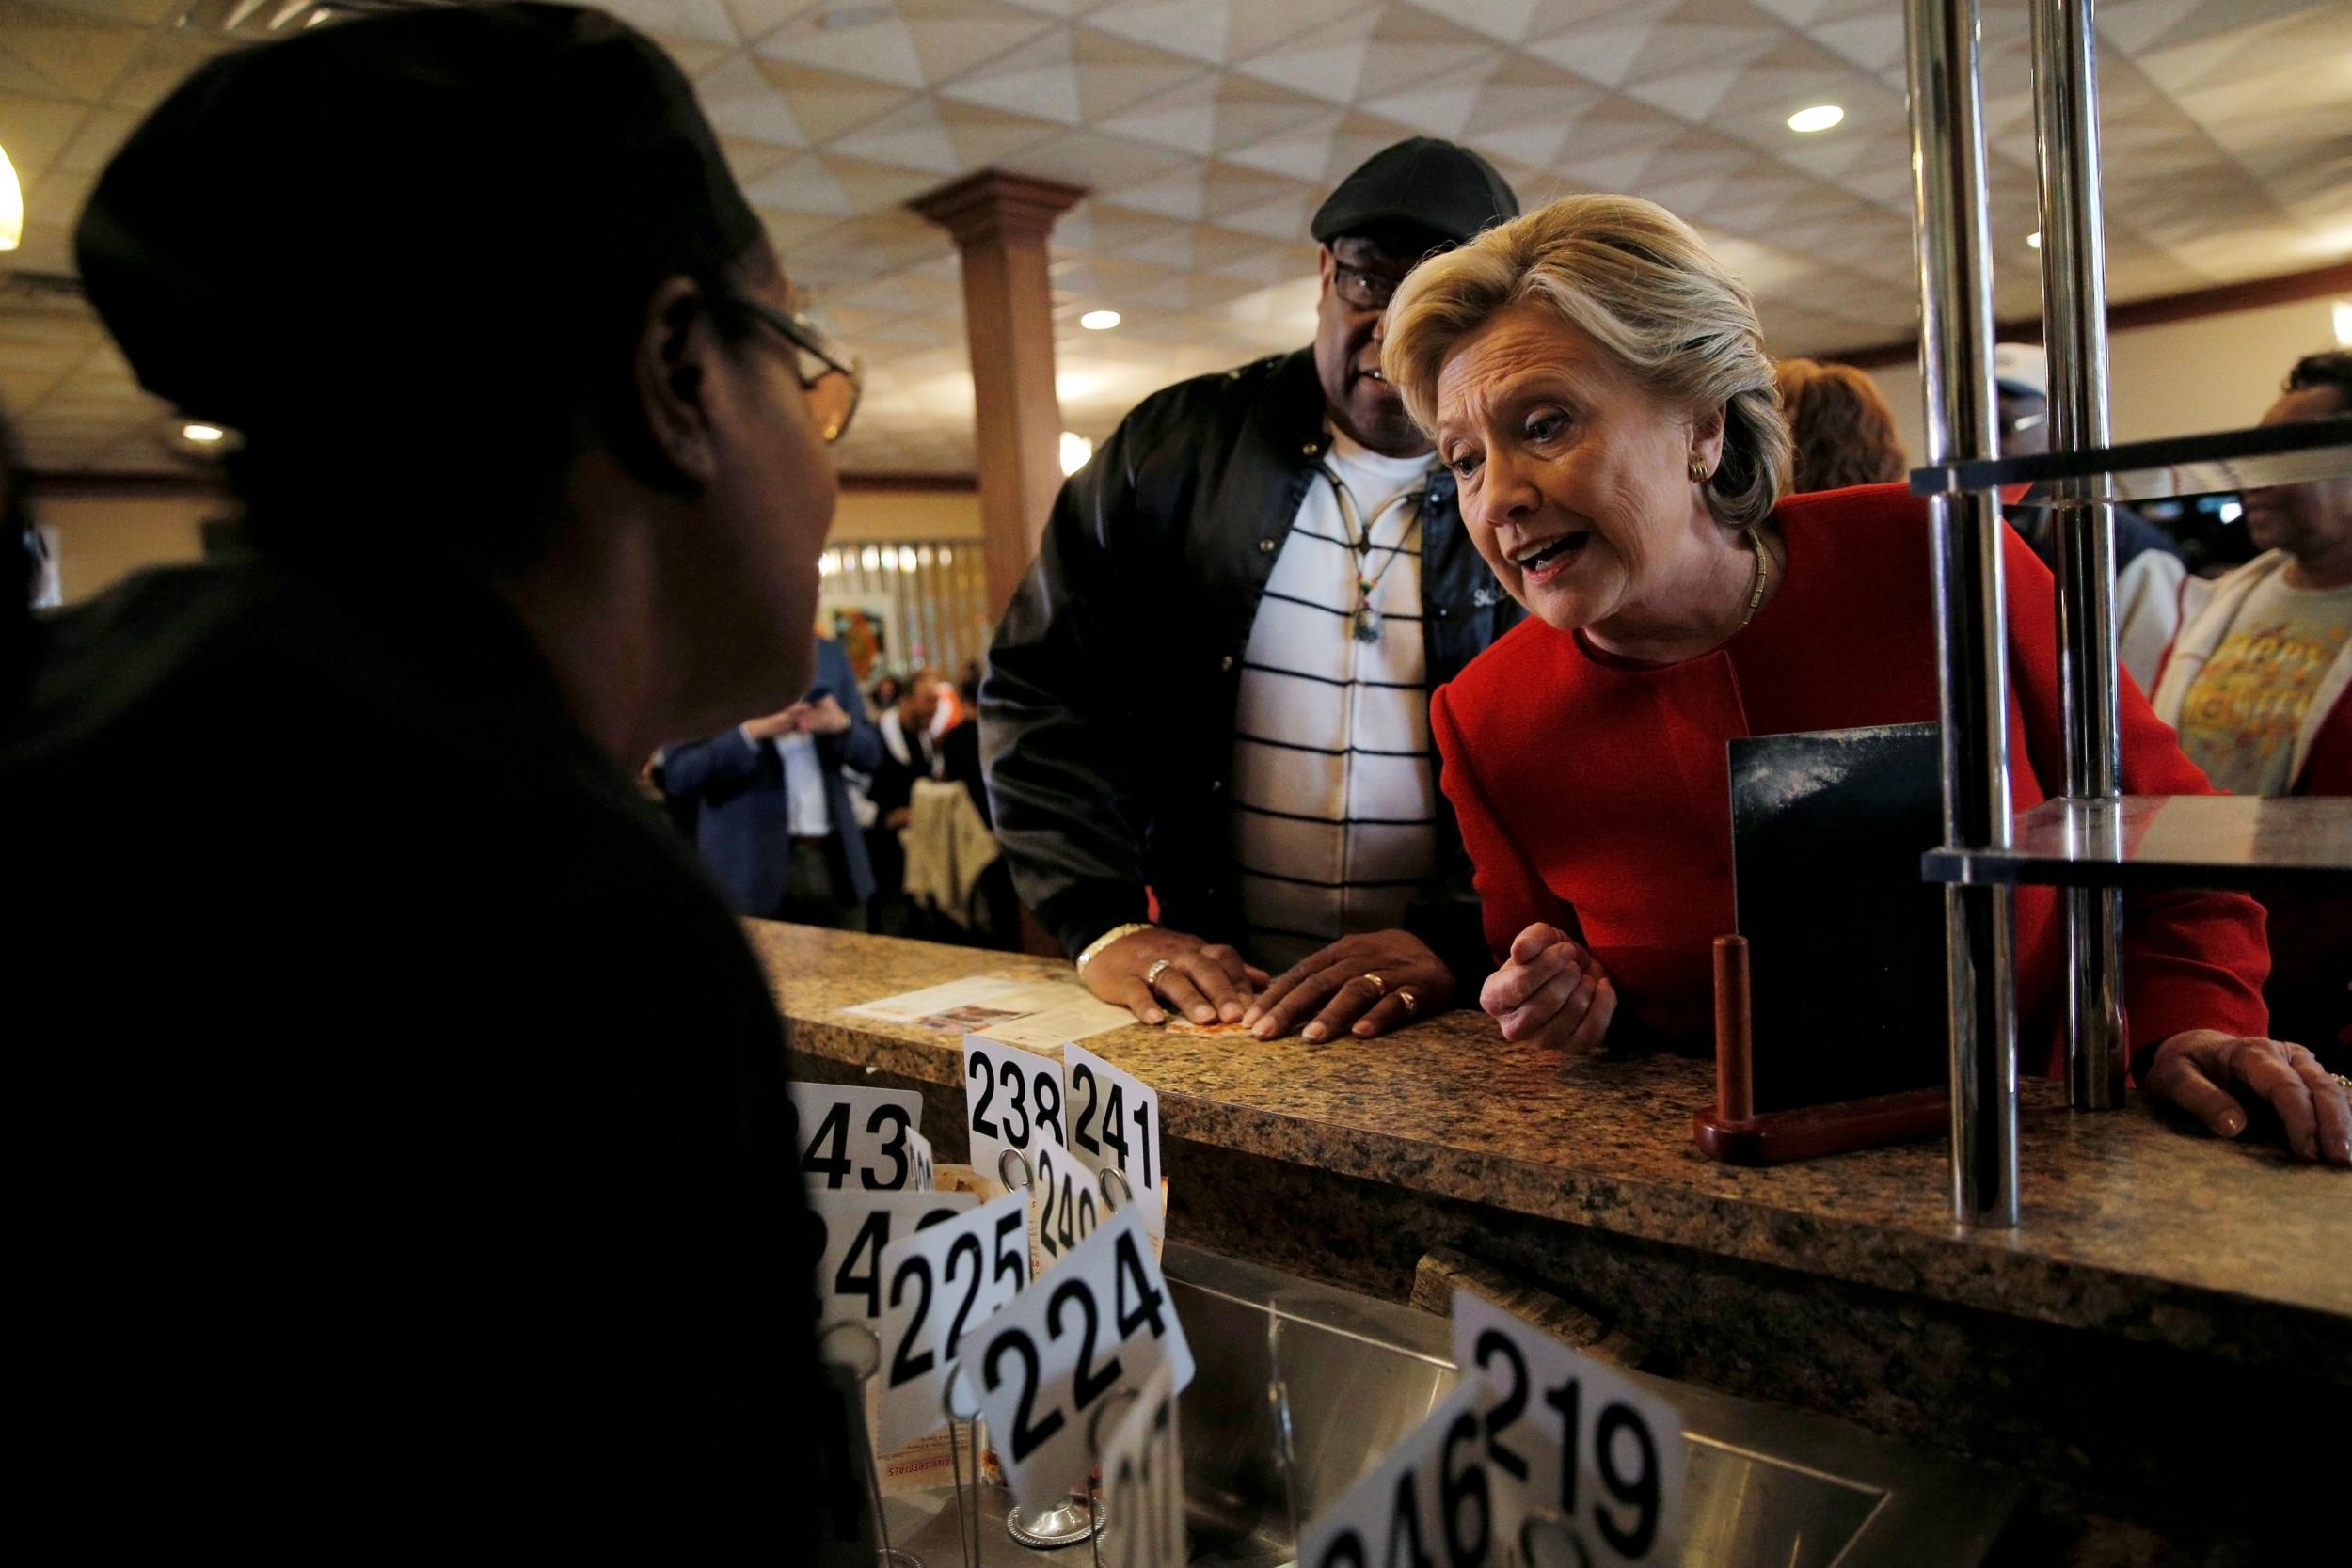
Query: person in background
[[1596, 381], [412, 1135], [771, 808], [908, 752], [885, 694], [1842, 432], [1213, 688], [2259, 685], [2148, 565]]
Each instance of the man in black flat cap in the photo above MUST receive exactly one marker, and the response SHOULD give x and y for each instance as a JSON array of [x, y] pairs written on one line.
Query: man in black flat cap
[[1213, 684], [404, 1114]]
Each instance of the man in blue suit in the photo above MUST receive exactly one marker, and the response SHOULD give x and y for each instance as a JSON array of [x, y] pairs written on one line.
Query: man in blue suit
[[772, 815]]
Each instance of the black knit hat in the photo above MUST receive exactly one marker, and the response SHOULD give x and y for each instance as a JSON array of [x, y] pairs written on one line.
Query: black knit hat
[[306, 230], [1420, 182]]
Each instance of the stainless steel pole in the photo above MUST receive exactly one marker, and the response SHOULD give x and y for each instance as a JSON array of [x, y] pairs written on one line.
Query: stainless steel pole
[[1956, 367], [2074, 316]]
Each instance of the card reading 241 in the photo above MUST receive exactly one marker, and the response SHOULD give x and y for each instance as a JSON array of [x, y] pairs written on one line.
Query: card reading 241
[[1115, 1125], [1044, 1366]]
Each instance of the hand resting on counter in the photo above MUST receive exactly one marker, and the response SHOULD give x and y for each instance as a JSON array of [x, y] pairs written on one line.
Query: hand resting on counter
[[1554, 994]]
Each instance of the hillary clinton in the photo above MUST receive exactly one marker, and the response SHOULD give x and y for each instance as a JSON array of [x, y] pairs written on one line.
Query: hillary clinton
[[1598, 383]]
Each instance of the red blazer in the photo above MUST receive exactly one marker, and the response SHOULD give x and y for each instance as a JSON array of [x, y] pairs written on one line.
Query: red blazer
[[1588, 783]]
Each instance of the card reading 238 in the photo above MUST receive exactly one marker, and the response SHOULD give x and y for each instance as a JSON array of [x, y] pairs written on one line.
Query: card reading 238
[[1013, 1103]]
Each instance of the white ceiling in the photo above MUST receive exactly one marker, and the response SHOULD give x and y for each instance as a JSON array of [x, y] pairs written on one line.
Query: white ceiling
[[1210, 129]]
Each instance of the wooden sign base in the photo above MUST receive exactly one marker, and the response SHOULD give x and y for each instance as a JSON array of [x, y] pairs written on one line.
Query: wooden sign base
[[1733, 1131], [1809, 1131]]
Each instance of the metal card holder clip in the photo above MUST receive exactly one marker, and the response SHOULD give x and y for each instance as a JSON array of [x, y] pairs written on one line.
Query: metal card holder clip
[[855, 1352]]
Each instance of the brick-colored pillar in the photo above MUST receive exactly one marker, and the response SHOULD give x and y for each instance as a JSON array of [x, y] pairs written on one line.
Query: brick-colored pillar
[[1000, 223]]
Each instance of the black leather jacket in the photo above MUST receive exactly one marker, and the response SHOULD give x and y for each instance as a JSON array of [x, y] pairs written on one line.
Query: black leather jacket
[[1106, 717]]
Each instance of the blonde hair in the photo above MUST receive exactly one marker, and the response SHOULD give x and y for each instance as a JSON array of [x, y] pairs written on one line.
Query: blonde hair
[[1639, 282], [1840, 429]]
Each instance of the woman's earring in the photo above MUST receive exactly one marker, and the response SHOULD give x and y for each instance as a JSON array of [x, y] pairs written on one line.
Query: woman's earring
[[1698, 471]]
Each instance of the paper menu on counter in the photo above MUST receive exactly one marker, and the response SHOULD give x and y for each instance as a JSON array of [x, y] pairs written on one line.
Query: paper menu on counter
[[1035, 1014]]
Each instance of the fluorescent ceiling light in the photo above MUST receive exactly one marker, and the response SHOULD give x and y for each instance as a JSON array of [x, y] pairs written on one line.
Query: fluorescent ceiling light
[[11, 205], [1075, 449], [2343, 311], [1819, 118], [204, 433], [1098, 321]]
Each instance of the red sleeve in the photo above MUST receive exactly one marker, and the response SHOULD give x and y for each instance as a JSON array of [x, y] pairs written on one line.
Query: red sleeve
[[1511, 896], [2192, 958]]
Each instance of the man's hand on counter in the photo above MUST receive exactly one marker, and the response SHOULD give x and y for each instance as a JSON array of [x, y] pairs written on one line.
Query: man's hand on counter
[[1207, 982], [1552, 992], [1372, 982], [2209, 1073]]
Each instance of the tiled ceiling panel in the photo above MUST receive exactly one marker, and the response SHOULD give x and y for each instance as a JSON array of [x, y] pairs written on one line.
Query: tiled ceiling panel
[[1208, 130]]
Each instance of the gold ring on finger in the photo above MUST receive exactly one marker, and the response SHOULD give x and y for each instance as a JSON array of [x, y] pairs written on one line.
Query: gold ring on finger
[[1379, 986], [1152, 975], [2342, 1079]]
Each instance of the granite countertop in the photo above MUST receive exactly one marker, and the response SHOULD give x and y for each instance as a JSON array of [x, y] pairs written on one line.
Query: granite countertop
[[2131, 1225]]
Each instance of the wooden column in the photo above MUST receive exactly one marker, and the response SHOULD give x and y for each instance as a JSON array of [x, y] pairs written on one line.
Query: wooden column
[[1000, 223]]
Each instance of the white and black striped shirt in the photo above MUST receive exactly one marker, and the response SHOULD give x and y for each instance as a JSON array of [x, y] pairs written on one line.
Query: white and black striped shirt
[[1333, 793]]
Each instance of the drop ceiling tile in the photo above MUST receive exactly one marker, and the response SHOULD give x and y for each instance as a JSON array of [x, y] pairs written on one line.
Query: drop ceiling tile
[[743, 104], [826, 103], [878, 47], [36, 130], [59, 54]]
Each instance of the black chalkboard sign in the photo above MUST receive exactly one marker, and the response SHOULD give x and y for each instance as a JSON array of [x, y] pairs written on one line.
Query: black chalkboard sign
[[1845, 941]]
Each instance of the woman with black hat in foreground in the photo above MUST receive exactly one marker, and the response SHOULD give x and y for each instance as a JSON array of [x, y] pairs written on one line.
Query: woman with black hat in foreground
[[405, 1111]]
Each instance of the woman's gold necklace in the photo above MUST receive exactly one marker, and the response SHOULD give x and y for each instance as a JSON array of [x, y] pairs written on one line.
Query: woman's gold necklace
[[1756, 595]]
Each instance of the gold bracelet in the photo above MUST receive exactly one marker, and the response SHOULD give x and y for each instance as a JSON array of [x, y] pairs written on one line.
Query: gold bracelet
[[1108, 938]]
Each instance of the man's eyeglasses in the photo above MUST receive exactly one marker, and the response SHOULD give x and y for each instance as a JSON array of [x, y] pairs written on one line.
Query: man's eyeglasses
[[1366, 291], [830, 375]]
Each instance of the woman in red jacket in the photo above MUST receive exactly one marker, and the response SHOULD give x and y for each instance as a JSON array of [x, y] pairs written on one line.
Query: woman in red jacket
[[1597, 383]]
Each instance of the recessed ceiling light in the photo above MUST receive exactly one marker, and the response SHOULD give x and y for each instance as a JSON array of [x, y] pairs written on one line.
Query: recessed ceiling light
[[2034, 240], [841, 19], [2342, 311], [1819, 118], [204, 433], [1098, 321]]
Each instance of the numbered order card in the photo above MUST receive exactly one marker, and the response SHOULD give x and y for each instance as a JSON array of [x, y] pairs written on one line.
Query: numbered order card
[[1592, 1458], [852, 1230], [867, 1139], [1115, 1125], [1012, 1102], [943, 1281], [1427, 1503], [1044, 1365], [1143, 1480]]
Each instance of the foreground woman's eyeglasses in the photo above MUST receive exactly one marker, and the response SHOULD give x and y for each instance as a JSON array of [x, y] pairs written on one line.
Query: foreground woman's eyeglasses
[[828, 374]]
